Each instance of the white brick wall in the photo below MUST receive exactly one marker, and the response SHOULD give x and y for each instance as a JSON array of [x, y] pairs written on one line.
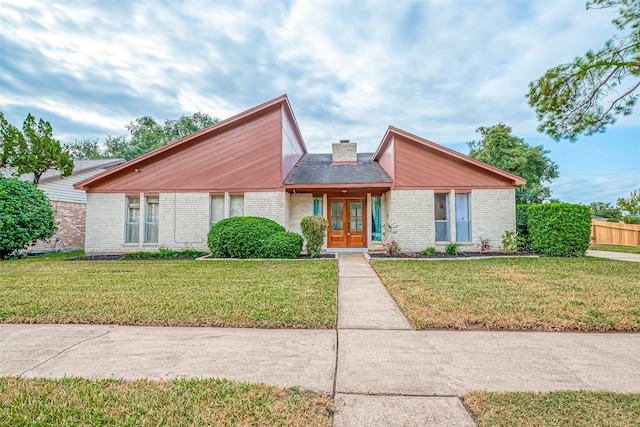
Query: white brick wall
[[184, 220], [267, 204], [105, 223], [345, 152], [492, 213], [301, 205], [412, 213]]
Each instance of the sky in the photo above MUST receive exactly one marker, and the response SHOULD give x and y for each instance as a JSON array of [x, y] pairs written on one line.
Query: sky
[[439, 69]]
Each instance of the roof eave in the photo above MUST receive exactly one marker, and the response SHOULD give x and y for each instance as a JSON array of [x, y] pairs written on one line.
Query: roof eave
[[517, 180], [282, 99]]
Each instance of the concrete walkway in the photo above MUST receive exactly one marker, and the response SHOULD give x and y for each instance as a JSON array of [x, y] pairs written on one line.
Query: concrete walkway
[[620, 256], [380, 371]]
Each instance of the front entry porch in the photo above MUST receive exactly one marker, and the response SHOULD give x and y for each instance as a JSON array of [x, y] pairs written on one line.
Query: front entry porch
[[347, 218]]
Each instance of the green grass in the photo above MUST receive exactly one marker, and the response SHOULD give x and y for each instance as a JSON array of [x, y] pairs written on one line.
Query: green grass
[[205, 402], [297, 294], [558, 408], [614, 248], [547, 294], [166, 253]]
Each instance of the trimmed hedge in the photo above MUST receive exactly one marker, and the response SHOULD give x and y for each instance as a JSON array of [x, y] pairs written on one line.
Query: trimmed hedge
[[26, 216], [241, 236], [522, 227], [559, 229], [283, 244]]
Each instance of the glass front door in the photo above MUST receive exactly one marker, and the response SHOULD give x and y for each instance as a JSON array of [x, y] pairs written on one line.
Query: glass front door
[[347, 228]]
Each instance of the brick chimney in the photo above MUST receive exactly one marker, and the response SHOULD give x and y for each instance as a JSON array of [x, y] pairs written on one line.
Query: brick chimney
[[345, 153]]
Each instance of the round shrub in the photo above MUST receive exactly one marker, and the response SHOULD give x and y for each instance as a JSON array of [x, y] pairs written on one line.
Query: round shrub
[[283, 244], [241, 236], [26, 216], [559, 229]]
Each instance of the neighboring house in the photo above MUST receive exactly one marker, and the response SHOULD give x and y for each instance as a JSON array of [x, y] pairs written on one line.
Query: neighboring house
[[68, 202], [256, 164]]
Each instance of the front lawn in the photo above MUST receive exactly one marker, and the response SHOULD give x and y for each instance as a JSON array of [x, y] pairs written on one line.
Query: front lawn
[[615, 248], [557, 408], [295, 294], [205, 402], [547, 294]]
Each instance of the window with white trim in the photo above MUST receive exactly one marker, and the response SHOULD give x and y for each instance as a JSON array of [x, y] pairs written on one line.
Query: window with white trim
[[236, 205], [132, 225], [463, 218], [152, 219], [217, 209], [441, 210]]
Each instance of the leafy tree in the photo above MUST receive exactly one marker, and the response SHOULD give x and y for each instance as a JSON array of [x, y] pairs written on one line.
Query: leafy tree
[[10, 140], [630, 207], [26, 216], [145, 135], [606, 210], [586, 95], [510, 153], [34, 150], [86, 149]]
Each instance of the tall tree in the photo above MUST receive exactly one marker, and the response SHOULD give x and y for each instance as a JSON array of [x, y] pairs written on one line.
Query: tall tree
[[586, 95], [606, 210], [630, 207], [10, 140], [510, 153], [145, 135], [35, 150]]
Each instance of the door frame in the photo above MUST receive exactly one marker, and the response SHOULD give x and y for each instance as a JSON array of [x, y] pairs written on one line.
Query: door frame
[[346, 220]]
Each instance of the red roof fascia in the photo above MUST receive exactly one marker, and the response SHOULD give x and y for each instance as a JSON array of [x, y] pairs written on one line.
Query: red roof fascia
[[517, 180], [283, 100]]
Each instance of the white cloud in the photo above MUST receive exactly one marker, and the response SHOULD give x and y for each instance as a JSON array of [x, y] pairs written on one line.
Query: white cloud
[[439, 69]]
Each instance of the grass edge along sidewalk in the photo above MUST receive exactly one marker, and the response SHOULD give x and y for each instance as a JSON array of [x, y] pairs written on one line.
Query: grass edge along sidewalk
[[270, 293], [198, 402], [542, 294], [561, 408]]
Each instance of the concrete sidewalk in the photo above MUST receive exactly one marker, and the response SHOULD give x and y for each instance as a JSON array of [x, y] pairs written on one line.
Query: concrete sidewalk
[[379, 370], [619, 256]]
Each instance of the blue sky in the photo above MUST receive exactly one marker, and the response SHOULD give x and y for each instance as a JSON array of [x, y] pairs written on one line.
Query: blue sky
[[439, 69]]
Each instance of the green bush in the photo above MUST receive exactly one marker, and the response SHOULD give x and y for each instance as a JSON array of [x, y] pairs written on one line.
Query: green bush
[[313, 229], [241, 236], [429, 251], [522, 227], [452, 249], [26, 216], [282, 244], [511, 242], [559, 229]]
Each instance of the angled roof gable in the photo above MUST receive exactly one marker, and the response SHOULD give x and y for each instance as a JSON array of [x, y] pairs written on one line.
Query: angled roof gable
[[405, 157], [263, 114]]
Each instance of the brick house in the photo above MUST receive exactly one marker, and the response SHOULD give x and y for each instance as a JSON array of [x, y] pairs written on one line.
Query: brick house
[[256, 164], [68, 203]]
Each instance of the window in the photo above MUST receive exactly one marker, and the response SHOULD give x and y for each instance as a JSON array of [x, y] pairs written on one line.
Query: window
[[236, 207], [132, 228], [376, 219], [317, 206], [442, 217], [463, 219], [217, 209], [337, 215], [151, 219], [355, 216]]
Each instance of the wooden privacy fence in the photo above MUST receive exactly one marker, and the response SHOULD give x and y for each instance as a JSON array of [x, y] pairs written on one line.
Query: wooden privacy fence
[[613, 233]]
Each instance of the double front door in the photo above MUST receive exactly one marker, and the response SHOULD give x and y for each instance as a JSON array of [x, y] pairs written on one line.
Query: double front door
[[347, 223]]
